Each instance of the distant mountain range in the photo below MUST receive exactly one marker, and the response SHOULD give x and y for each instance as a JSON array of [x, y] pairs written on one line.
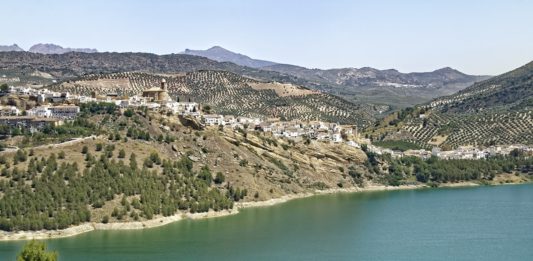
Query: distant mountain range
[[10, 48], [45, 49], [360, 84], [220, 54]]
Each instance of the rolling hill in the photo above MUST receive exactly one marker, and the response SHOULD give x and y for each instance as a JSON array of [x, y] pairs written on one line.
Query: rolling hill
[[70, 65], [229, 93], [496, 111], [363, 85], [383, 86], [513, 90]]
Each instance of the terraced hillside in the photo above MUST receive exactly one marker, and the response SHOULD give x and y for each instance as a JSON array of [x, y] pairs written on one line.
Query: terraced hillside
[[453, 130], [229, 93], [512, 90], [496, 111]]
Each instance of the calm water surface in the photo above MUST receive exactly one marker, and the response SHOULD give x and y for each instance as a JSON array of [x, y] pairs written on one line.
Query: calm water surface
[[479, 223]]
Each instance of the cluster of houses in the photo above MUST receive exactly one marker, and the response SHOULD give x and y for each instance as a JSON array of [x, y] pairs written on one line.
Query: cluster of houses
[[462, 152], [63, 112], [295, 130], [41, 116], [46, 96], [157, 98], [9, 111]]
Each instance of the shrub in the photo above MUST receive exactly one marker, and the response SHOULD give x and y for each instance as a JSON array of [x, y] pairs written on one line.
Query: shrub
[[219, 178]]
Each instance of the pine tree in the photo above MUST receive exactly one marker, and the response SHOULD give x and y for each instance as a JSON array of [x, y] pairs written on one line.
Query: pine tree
[[36, 251]]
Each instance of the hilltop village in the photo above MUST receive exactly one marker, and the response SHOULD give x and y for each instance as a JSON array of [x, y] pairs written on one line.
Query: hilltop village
[[54, 108]]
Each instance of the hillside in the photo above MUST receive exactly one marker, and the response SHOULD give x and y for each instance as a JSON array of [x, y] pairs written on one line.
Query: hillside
[[513, 90], [362, 86], [132, 174], [18, 65], [220, 54], [495, 111], [383, 86], [147, 165], [229, 93]]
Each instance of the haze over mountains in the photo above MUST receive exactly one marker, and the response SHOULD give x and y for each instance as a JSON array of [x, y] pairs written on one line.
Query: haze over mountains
[[220, 54], [359, 85], [46, 48], [356, 77], [10, 48], [378, 86]]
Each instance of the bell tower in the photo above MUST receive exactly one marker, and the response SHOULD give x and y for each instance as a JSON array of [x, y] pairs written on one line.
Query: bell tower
[[164, 85]]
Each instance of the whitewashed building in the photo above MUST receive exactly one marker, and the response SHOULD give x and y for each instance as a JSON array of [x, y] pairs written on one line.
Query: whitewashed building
[[64, 111], [183, 107], [9, 111], [40, 112], [336, 137], [213, 119]]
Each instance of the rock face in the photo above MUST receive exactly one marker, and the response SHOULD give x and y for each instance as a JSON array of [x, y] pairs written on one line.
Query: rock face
[[56, 49], [10, 48], [220, 54]]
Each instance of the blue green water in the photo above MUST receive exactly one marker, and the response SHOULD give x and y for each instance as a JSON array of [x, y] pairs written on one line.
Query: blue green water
[[479, 223]]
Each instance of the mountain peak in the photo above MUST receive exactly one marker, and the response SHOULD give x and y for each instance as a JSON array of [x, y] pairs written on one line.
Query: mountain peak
[[217, 48], [447, 70], [49, 48], [221, 54], [10, 48]]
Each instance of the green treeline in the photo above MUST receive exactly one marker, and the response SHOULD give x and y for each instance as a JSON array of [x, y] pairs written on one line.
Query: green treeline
[[54, 195], [434, 170]]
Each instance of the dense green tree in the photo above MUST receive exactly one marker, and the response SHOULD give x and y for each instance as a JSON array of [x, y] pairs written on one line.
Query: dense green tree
[[46, 201], [121, 154], [4, 87], [36, 251], [219, 178], [128, 113]]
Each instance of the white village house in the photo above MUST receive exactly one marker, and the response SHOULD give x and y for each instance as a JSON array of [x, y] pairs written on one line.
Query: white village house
[[213, 119]]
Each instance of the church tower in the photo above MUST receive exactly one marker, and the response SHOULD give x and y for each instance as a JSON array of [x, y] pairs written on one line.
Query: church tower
[[164, 85]]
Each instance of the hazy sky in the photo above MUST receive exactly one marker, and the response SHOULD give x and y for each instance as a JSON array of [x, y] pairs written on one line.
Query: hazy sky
[[477, 37]]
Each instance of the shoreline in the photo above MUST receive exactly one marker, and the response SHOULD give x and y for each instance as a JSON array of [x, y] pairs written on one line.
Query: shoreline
[[161, 221]]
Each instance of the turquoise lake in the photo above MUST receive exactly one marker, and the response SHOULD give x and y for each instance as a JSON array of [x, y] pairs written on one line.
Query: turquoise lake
[[475, 223]]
